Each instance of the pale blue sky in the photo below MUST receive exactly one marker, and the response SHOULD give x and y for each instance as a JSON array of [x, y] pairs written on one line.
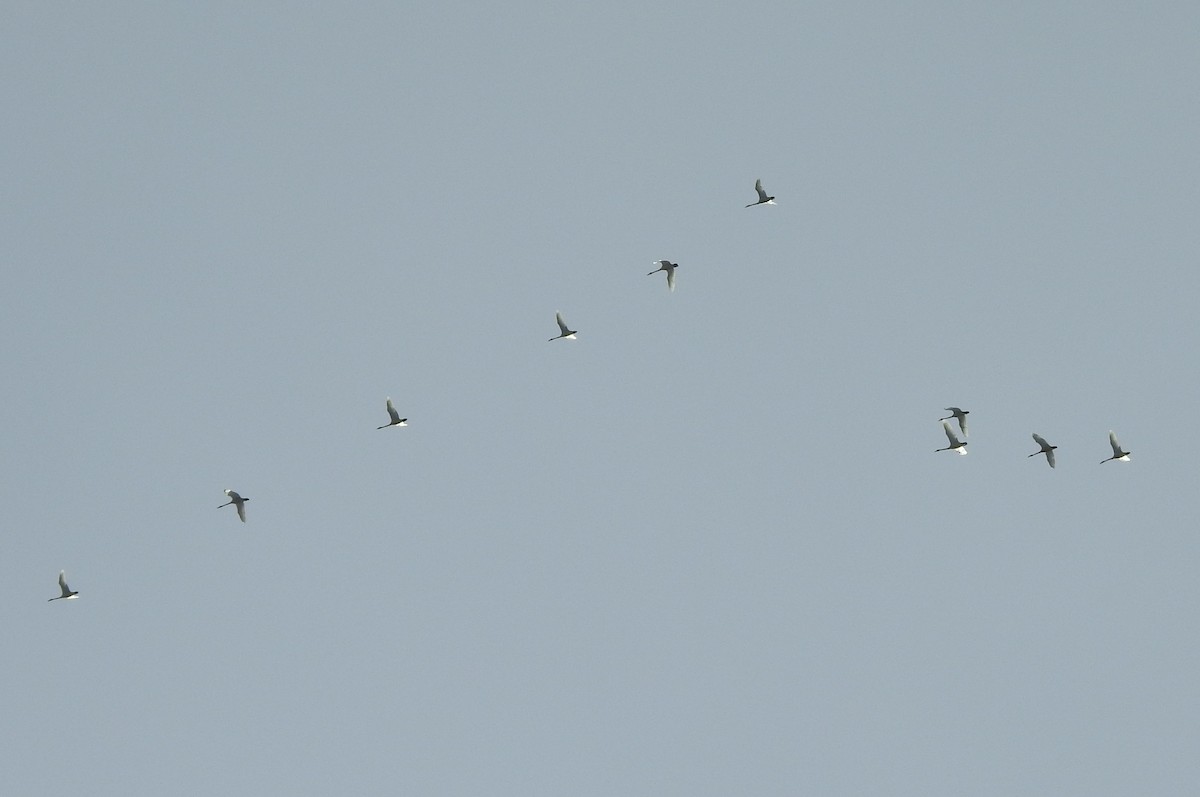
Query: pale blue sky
[[706, 548]]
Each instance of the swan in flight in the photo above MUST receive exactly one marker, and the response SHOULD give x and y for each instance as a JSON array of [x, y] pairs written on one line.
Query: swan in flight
[[763, 199], [1118, 452], [961, 415], [1047, 449], [240, 502], [955, 443], [669, 267], [395, 416], [67, 592], [566, 333]]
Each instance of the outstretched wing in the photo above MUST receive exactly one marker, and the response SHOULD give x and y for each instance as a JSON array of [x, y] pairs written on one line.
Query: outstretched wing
[[1050, 456], [391, 408], [62, 583], [950, 434], [961, 417], [1041, 441], [241, 508], [671, 279], [1116, 447], [762, 195], [562, 325]]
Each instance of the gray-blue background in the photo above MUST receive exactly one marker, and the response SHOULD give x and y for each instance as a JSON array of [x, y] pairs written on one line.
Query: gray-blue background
[[706, 548]]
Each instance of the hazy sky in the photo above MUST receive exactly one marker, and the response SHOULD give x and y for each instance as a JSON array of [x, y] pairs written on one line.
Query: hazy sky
[[706, 548]]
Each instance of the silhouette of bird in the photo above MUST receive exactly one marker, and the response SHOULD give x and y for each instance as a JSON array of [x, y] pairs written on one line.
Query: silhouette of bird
[[955, 443], [396, 419], [961, 415], [1118, 452], [669, 267], [763, 199], [1047, 449], [562, 325], [67, 592], [237, 500]]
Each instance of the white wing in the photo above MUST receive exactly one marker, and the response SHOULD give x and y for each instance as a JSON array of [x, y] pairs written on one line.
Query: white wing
[[1112, 440], [241, 508], [561, 324], [950, 434], [671, 279], [1041, 441], [1050, 457], [762, 195]]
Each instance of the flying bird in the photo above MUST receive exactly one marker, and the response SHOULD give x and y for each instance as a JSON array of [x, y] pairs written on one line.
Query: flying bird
[[1047, 449], [67, 592], [961, 415], [566, 333], [669, 267], [237, 500], [763, 199], [1118, 452], [396, 419], [955, 443]]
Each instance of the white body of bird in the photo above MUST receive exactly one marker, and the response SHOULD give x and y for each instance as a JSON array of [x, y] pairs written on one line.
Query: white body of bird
[[955, 443], [569, 334], [396, 420], [1119, 454], [237, 501], [67, 593], [763, 199], [669, 267], [1047, 449]]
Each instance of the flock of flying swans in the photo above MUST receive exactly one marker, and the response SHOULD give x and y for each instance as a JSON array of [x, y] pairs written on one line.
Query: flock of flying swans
[[1119, 454], [566, 332]]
